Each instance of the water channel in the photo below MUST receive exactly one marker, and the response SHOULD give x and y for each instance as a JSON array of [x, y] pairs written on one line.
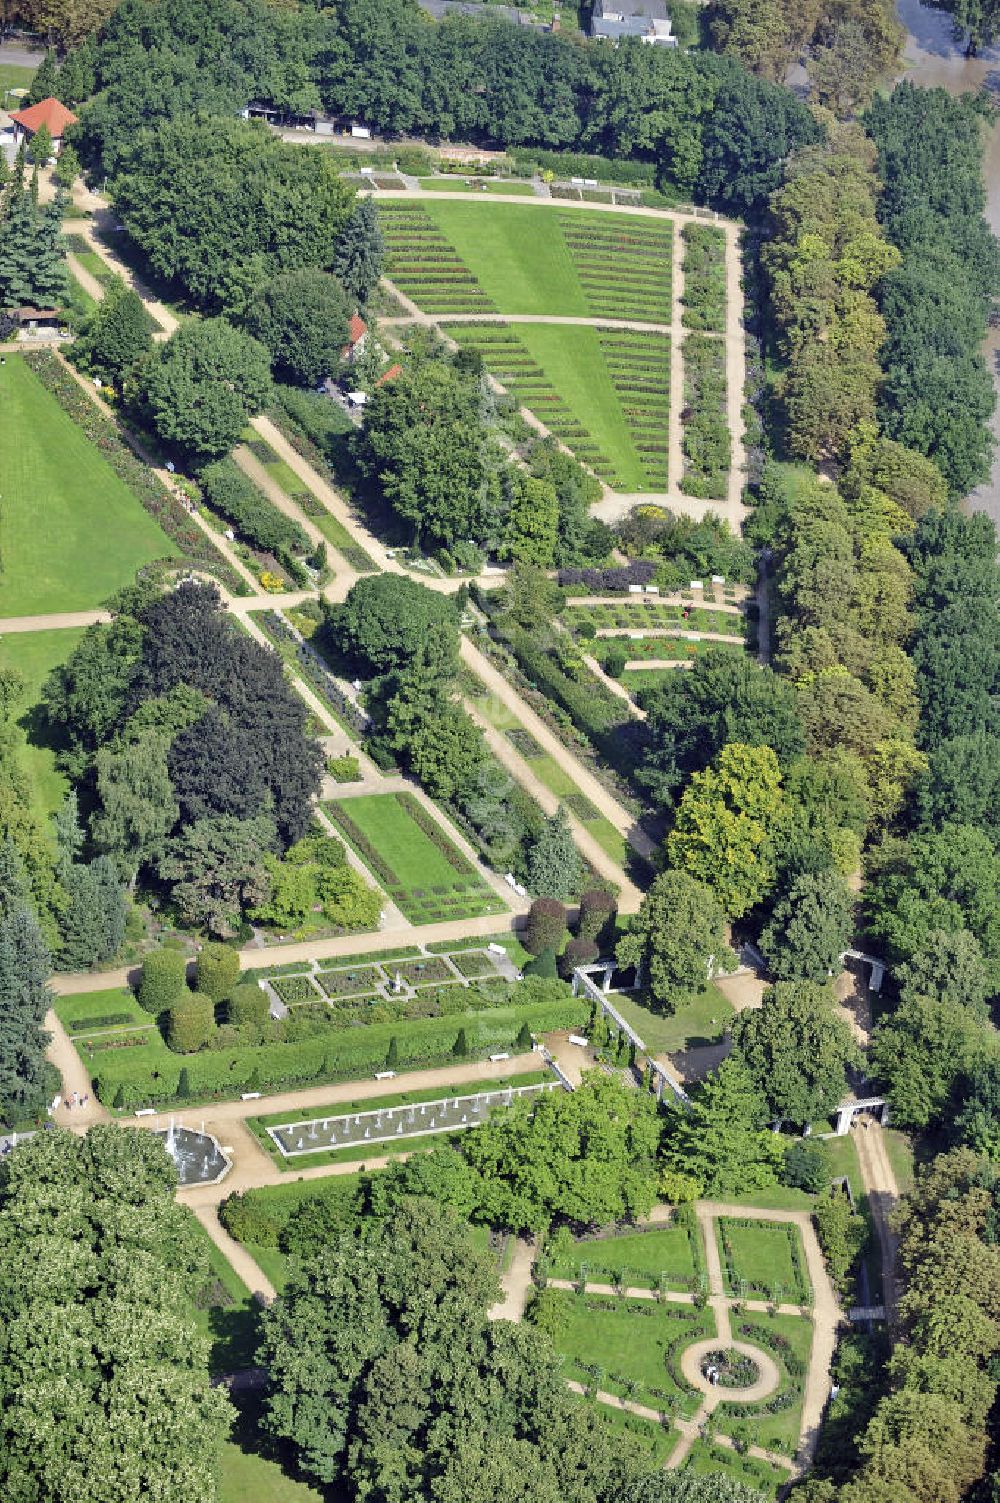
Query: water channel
[[932, 58]]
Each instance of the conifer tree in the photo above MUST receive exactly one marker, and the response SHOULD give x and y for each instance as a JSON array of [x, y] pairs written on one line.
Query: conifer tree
[[45, 81]]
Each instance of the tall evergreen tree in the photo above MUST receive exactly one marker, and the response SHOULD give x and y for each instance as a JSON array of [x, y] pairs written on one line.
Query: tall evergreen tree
[[93, 924], [359, 257], [553, 861], [45, 81], [24, 1001]]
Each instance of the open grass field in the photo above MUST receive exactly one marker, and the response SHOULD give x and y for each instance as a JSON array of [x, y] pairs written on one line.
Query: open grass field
[[668, 1257], [34, 654], [637, 679], [604, 393], [423, 872], [700, 1020], [462, 257], [12, 76], [761, 1259], [630, 1347], [71, 532]]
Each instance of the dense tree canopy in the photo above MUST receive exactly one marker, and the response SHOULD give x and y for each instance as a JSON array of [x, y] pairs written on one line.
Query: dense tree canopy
[[202, 385], [220, 206], [797, 1048], [103, 1371], [675, 938], [385, 619], [301, 318]]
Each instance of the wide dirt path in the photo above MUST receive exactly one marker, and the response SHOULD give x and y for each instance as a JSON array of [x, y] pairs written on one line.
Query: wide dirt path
[[624, 822], [883, 1192]]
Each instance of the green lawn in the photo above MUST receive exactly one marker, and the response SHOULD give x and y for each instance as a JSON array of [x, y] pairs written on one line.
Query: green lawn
[[71, 532], [705, 1458], [900, 1150], [412, 866], [34, 654], [521, 255], [80, 1010], [244, 1476], [645, 1259], [761, 1259], [700, 1020], [630, 1342], [14, 77], [459, 185]]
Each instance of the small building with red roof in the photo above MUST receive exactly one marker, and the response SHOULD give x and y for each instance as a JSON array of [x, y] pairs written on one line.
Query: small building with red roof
[[390, 374], [357, 332], [48, 112]]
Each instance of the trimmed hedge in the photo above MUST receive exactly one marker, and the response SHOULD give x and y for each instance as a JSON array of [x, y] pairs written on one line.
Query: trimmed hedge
[[256, 519], [336, 1054]]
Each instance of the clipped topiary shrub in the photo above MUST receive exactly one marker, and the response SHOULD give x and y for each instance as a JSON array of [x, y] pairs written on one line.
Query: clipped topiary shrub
[[596, 908], [248, 1004], [578, 951], [164, 978], [545, 927], [191, 1022], [218, 971]]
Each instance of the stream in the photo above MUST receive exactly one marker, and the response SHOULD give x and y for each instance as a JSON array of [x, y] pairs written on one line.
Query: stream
[[932, 58]]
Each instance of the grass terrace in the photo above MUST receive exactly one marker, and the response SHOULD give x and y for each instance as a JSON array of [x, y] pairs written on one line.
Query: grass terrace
[[697, 1020], [131, 1066], [34, 654], [451, 184], [507, 258], [653, 615], [422, 870], [604, 393], [640, 1437], [71, 532]]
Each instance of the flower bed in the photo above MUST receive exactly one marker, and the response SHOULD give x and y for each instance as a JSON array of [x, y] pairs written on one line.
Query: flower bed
[[704, 295], [347, 983], [706, 443], [293, 989]]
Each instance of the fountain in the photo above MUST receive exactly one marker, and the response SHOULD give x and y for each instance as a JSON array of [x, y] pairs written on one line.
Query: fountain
[[197, 1164]]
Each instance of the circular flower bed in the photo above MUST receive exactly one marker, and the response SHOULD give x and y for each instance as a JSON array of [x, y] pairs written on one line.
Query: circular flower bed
[[727, 1368]]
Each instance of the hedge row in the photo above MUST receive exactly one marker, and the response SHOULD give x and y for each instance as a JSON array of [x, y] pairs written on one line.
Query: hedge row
[[578, 164], [641, 571], [256, 519], [333, 1055], [163, 506]]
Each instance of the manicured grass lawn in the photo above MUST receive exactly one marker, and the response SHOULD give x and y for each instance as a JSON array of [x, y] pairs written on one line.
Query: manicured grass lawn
[[761, 1257], [12, 76], [523, 260], [704, 1458], [698, 1021], [243, 1476], [71, 532], [427, 885], [636, 679], [900, 1150], [74, 1012], [643, 1258], [629, 1341], [459, 185], [518, 255], [34, 654]]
